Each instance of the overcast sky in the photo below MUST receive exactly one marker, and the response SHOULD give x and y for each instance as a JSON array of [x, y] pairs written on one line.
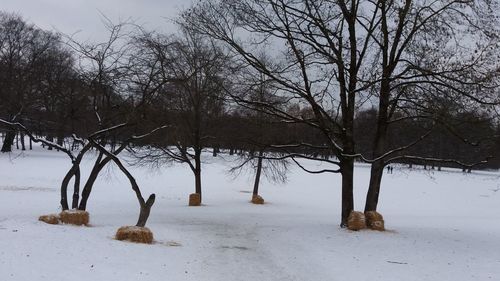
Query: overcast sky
[[70, 16]]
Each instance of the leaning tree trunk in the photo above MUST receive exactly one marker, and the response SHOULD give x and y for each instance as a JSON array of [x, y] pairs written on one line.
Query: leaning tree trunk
[[76, 190], [99, 164], [145, 206], [145, 210], [257, 174], [377, 171], [64, 187], [379, 146], [87, 189]]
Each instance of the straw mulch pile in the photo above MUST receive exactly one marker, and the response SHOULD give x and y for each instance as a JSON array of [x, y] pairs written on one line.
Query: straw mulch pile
[[75, 217], [50, 219], [194, 199], [135, 234], [356, 221], [257, 199], [374, 220]]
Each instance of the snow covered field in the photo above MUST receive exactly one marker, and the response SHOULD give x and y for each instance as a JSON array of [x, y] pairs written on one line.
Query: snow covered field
[[441, 226]]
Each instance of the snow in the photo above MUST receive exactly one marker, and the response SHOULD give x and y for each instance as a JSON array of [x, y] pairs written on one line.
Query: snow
[[441, 226]]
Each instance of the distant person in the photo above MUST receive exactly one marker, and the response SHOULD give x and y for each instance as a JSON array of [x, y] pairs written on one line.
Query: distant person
[[390, 169]]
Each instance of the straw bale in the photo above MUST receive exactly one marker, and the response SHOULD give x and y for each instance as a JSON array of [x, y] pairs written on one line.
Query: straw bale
[[373, 216], [374, 220], [356, 221], [75, 217], [135, 234], [194, 199], [257, 199], [50, 219], [378, 225]]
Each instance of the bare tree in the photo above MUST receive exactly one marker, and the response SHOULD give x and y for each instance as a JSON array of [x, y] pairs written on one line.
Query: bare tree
[[105, 67], [190, 100], [430, 58], [319, 57], [258, 137], [145, 205], [337, 55]]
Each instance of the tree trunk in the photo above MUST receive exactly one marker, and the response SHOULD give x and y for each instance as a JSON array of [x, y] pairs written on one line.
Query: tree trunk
[[257, 174], [197, 175], [74, 171], [376, 173], [98, 166], [347, 170], [145, 206], [197, 172], [145, 210], [64, 187], [87, 189], [8, 141], [76, 189], [380, 143], [23, 145]]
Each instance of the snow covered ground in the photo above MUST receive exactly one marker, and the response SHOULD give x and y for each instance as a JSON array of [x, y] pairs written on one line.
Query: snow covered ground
[[441, 226]]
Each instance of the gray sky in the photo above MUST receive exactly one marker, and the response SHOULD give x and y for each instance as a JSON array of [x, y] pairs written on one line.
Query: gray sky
[[70, 16]]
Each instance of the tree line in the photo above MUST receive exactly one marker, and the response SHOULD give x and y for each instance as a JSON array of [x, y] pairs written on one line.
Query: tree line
[[274, 81]]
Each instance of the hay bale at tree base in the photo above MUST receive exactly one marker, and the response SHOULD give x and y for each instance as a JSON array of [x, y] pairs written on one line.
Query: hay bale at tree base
[[135, 234], [75, 217], [356, 221], [373, 216], [194, 199], [374, 220], [377, 225], [257, 199], [50, 219]]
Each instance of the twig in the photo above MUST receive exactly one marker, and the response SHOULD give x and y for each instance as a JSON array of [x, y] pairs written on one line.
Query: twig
[[397, 262]]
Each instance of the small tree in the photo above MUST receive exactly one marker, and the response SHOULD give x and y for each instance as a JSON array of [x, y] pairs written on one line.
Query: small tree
[[190, 101], [257, 135]]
